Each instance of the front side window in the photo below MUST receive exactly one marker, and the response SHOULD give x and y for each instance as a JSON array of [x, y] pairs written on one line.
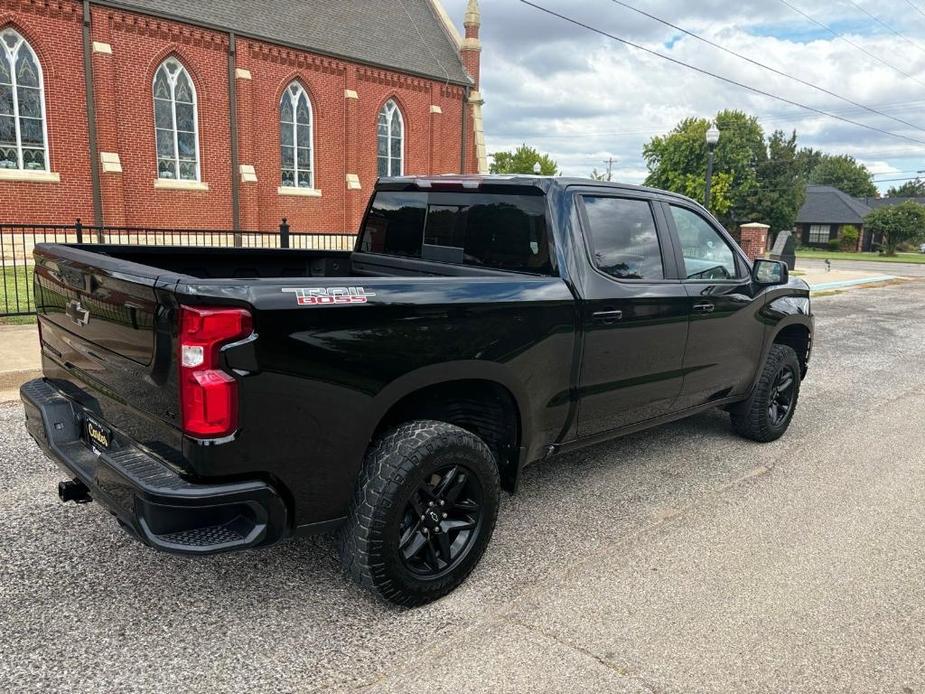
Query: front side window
[[391, 140], [500, 232], [819, 233], [23, 143], [175, 122], [623, 239], [295, 136], [706, 253]]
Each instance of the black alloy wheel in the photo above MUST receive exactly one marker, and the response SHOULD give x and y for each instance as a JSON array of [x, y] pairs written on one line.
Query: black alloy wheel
[[766, 414], [423, 512], [441, 520], [782, 396]]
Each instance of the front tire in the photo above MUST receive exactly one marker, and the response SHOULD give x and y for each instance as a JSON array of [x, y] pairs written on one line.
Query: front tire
[[423, 512], [767, 413]]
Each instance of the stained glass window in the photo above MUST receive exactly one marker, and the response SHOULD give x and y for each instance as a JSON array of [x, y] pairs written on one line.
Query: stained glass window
[[295, 138], [23, 140], [391, 141], [175, 122]]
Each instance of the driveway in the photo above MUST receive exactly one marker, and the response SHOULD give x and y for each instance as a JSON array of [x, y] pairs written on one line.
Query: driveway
[[681, 559]]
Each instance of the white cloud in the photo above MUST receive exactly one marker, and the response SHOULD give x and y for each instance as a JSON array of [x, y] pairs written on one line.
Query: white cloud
[[583, 98]]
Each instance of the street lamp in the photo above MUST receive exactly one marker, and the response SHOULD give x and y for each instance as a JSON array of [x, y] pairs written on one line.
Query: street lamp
[[537, 169], [712, 139]]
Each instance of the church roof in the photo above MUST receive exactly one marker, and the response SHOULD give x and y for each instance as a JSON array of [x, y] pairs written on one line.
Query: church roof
[[403, 35]]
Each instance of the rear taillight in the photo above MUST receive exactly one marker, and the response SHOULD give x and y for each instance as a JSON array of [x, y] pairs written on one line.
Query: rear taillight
[[208, 395]]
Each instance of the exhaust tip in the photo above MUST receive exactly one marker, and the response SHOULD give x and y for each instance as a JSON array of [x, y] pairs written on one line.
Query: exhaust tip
[[74, 490]]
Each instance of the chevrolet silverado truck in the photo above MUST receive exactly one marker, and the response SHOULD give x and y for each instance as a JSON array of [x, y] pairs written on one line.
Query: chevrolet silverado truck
[[217, 399]]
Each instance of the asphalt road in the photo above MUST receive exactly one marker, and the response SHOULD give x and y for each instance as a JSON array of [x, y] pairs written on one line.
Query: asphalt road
[[873, 266], [682, 559]]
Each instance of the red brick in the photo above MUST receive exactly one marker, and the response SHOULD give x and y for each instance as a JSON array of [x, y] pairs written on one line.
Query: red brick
[[344, 131]]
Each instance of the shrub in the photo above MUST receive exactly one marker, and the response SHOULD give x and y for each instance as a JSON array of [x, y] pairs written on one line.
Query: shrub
[[834, 244], [848, 238]]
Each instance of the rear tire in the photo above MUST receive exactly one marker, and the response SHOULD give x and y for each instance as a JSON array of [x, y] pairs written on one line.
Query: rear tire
[[767, 413], [422, 514]]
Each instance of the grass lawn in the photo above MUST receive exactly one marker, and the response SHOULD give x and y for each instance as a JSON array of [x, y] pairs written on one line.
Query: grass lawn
[[15, 282], [839, 255]]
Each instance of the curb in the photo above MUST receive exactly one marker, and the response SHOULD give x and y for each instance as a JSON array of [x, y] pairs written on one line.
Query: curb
[[11, 380], [851, 283]]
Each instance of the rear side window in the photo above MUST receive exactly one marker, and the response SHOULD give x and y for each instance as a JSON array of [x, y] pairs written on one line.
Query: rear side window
[[501, 232], [623, 239]]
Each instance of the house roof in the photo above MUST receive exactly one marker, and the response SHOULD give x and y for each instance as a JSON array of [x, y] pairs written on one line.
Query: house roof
[[407, 35], [828, 205]]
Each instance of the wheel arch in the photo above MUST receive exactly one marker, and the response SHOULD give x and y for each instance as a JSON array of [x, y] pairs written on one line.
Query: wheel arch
[[482, 398]]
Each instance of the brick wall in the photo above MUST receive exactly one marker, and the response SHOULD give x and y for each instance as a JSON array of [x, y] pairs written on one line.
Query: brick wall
[[132, 46], [53, 29]]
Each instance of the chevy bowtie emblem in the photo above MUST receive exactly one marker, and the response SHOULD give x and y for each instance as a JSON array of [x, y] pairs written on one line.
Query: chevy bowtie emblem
[[77, 313]]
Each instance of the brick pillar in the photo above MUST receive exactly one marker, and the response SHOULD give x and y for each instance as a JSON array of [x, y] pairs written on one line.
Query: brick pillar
[[248, 194], [754, 239], [107, 124], [354, 200], [470, 52]]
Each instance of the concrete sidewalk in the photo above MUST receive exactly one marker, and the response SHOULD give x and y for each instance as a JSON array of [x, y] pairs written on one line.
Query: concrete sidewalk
[[820, 280], [20, 360]]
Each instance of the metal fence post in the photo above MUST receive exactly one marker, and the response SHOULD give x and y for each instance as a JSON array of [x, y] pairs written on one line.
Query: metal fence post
[[284, 234], [79, 228]]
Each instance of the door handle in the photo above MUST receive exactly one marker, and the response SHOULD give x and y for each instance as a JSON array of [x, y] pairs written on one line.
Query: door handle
[[704, 308], [608, 317]]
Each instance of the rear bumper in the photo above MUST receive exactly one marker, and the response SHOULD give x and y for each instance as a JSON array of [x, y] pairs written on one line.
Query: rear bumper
[[148, 497]]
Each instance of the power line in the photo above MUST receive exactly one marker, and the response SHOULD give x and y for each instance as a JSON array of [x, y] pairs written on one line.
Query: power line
[[717, 76], [852, 43], [914, 7], [766, 67], [885, 25]]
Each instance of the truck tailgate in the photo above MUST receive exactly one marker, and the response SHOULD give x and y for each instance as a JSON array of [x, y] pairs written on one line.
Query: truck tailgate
[[107, 329]]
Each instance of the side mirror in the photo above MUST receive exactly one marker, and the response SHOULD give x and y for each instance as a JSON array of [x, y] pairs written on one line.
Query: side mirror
[[770, 272]]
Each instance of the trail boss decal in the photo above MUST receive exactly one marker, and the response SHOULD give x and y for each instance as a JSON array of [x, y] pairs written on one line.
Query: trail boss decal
[[330, 296]]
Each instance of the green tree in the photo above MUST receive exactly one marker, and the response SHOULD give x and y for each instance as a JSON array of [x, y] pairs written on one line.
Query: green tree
[[909, 189], [781, 189], [845, 173], [598, 175], [808, 159], [753, 179], [521, 161], [898, 224], [678, 161]]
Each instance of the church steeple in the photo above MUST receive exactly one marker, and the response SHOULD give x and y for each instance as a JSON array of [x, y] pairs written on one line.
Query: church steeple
[[471, 48]]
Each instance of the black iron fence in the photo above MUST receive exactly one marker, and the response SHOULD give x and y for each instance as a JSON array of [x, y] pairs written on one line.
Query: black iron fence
[[17, 242]]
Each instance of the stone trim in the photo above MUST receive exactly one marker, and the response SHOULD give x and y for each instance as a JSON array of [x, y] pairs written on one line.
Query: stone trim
[[248, 174], [111, 162], [435, 109], [299, 192], [242, 73], [351, 94], [353, 182], [30, 176], [103, 48], [174, 184]]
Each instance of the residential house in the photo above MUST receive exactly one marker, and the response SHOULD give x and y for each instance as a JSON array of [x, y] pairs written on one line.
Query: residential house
[[828, 210]]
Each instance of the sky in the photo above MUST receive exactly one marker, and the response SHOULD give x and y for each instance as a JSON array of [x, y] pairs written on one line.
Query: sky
[[584, 98]]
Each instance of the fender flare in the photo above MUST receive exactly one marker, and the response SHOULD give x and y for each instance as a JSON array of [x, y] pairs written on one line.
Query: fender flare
[[447, 373]]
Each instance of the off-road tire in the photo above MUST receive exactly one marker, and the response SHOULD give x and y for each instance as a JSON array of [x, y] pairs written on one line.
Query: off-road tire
[[751, 418], [394, 467]]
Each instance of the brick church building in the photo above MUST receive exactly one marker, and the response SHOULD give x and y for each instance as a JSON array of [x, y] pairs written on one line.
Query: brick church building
[[231, 114]]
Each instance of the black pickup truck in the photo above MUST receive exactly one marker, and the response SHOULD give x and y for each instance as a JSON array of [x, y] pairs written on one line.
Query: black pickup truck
[[216, 399]]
